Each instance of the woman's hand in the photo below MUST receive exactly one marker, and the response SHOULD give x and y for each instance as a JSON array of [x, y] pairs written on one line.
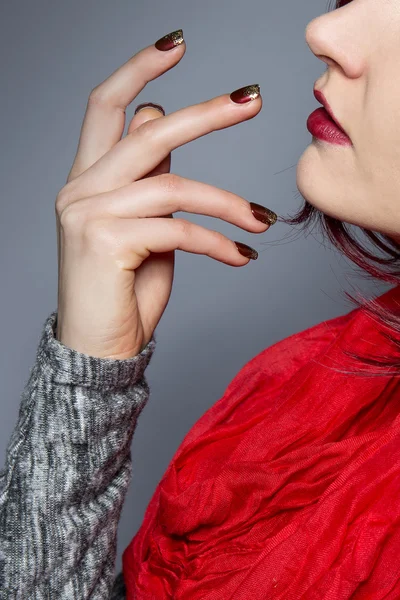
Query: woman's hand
[[115, 253]]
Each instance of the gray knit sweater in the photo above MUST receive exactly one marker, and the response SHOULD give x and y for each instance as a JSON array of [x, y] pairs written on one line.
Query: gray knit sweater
[[67, 470]]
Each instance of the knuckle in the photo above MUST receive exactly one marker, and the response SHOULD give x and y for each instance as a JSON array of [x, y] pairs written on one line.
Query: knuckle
[[170, 183], [185, 227], [217, 237], [74, 216], [99, 97], [62, 201], [71, 218], [146, 130], [64, 198], [96, 96]]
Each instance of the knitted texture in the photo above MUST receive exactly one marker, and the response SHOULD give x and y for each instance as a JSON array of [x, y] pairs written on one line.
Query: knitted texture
[[67, 470]]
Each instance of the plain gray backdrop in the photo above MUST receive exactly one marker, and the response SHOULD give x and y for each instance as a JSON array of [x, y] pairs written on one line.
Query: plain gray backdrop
[[219, 317]]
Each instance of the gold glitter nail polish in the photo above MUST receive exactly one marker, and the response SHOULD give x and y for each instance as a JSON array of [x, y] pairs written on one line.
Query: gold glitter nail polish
[[169, 41], [245, 94], [246, 251], [263, 214], [273, 217]]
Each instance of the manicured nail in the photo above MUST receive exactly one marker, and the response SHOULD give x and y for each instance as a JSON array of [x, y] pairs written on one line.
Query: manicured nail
[[265, 215], [150, 105], [170, 40], [247, 251], [245, 94]]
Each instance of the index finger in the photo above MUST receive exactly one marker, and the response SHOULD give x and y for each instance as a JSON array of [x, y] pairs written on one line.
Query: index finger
[[143, 149], [104, 119]]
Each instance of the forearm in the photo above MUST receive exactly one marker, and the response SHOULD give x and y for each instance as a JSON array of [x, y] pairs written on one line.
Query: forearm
[[68, 467]]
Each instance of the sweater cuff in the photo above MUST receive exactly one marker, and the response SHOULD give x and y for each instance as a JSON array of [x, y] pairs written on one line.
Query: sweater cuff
[[69, 366]]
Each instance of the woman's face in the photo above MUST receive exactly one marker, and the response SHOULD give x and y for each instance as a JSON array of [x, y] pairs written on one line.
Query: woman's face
[[358, 183]]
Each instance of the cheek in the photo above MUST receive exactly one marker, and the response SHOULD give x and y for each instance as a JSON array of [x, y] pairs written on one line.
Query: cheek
[[378, 130], [377, 149], [377, 161]]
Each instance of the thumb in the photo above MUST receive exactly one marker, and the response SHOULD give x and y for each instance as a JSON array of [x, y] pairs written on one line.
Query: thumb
[[147, 112]]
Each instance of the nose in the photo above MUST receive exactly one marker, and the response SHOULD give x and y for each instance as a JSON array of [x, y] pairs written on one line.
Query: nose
[[331, 38]]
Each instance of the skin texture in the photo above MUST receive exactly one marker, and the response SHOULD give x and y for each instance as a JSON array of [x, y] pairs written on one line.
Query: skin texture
[[359, 184], [116, 256], [116, 238]]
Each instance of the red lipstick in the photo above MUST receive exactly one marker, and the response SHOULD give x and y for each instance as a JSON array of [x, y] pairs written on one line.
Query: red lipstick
[[323, 125]]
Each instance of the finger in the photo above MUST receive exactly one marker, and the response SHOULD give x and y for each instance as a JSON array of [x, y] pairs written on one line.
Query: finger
[[143, 113], [104, 119], [146, 113], [140, 152], [167, 194], [138, 238]]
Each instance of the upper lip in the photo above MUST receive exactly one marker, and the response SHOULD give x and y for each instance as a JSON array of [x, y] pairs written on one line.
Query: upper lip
[[319, 96]]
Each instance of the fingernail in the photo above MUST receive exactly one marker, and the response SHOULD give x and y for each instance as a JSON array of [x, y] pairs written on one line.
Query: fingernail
[[247, 251], [170, 40], [263, 214], [150, 105], [245, 94]]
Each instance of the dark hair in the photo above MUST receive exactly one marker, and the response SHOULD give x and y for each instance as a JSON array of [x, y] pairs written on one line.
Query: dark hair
[[382, 268]]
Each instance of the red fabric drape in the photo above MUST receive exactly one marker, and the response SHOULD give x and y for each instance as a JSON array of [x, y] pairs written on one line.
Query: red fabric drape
[[288, 487]]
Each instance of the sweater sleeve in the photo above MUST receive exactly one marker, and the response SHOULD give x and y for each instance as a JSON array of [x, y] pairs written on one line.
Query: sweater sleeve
[[67, 470]]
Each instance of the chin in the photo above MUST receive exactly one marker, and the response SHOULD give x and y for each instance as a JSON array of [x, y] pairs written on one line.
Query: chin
[[319, 182], [312, 183]]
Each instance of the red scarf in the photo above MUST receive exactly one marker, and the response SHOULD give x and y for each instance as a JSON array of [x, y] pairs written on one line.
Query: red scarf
[[288, 487]]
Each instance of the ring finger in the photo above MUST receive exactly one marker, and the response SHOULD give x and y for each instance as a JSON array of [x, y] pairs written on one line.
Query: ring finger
[[166, 194]]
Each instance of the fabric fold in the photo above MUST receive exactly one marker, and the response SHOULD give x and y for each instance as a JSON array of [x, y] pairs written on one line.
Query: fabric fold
[[288, 486]]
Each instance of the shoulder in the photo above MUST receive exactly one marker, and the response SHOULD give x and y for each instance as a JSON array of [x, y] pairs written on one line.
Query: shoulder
[[282, 359]]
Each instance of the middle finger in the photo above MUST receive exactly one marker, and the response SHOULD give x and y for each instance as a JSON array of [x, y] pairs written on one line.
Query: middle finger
[[143, 149]]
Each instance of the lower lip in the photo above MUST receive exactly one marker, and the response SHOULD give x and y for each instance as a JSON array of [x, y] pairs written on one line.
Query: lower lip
[[320, 125]]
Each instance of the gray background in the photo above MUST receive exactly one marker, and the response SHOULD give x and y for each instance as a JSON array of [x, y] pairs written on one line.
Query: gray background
[[219, 317]]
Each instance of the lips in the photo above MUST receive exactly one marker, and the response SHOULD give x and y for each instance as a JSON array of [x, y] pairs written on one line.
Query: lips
[[319, 96]]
